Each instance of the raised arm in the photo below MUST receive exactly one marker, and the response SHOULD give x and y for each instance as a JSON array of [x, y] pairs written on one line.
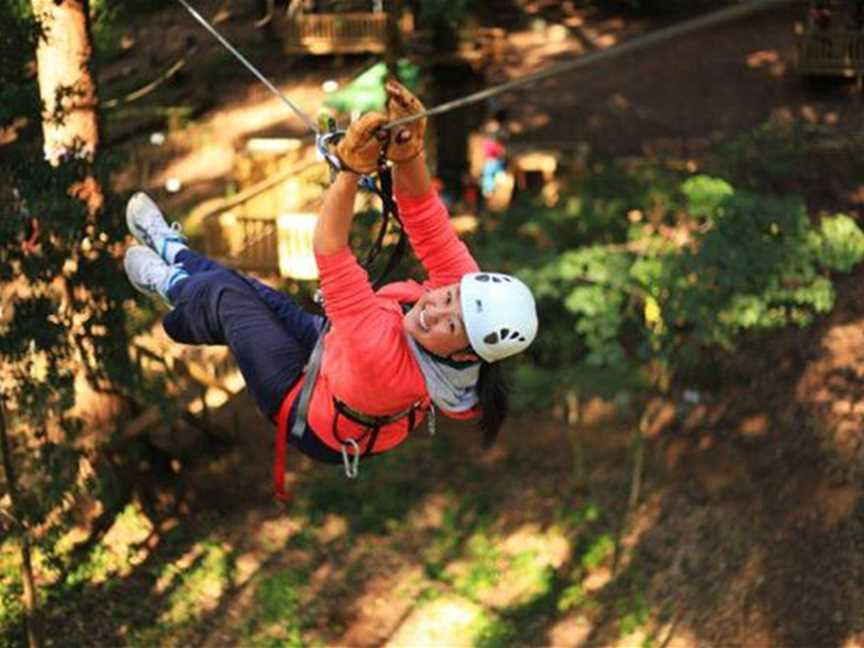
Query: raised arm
[[411, 178], [426, 220], [358, 152], [333, 226]]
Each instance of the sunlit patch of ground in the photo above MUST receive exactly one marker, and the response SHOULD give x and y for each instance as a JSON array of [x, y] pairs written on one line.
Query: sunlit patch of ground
[[448, 621]]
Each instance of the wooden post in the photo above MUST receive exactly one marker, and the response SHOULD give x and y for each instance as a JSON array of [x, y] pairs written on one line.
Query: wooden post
[[393, 51]]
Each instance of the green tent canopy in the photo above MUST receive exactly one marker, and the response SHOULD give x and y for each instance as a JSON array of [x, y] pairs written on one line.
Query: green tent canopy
[[366, 91]]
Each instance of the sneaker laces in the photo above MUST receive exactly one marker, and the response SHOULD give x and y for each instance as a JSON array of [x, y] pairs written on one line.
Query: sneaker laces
[[158, 226], [158, 276], [174, 232], [177, 228]]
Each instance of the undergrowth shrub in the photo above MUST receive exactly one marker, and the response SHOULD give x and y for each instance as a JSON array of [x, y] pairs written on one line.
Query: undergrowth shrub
[[641, 267]]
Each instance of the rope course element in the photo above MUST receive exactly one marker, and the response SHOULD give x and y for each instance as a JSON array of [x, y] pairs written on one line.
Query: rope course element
[[637, 44]]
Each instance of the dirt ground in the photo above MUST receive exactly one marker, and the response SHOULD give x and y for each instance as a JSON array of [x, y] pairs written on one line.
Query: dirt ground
[[753, 533]]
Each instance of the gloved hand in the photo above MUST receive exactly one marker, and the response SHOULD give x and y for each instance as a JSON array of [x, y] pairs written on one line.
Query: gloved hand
[[359, 148], [406, 142]]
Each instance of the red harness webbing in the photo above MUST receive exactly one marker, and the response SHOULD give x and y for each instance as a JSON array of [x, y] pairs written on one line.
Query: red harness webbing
[[281, 448]]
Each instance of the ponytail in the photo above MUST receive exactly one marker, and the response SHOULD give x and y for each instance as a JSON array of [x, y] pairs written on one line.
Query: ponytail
[[494, 394]]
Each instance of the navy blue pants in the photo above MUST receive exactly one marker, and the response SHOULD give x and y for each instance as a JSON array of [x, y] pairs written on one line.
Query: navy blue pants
[[269, 335]]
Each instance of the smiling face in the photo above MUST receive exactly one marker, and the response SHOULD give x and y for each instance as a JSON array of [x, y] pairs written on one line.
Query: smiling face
[[435, 322]]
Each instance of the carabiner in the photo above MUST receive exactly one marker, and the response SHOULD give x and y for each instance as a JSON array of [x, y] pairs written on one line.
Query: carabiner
[[352, 465], [323, 142]]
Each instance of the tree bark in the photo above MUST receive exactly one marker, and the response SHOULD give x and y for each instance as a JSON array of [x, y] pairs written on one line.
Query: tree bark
[[69, 121], [70, 128]]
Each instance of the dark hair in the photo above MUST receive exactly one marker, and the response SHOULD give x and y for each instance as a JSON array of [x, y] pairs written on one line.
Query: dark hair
[[494, 393]]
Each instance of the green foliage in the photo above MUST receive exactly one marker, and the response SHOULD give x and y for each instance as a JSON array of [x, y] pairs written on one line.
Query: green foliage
[[279, 619], [458, 523], [378, 502], [633, 613], [483, 570], [202, 585], [11, 606], [491, 631], [18, 32], [705, 194], [598, 551], [642, 265], [766, 157], [842, 243], [573, 597]]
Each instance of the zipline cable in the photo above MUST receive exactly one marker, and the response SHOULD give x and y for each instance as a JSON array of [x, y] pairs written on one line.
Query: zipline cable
[[206, 25], [638, 43]]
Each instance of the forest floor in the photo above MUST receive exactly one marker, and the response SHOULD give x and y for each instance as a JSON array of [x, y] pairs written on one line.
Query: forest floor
[[750, 529]]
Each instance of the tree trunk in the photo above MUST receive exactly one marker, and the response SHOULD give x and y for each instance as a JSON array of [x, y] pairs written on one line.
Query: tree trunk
[[30, 598], [70, 128], [394, 38], [453, 78], [574, 414], [66, 85]]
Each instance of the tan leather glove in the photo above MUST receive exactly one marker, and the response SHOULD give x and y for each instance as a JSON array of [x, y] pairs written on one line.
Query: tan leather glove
[[406, 142], [360, 147]]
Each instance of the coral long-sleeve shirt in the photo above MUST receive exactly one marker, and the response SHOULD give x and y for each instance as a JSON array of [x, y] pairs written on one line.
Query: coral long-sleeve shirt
[[367, 362]]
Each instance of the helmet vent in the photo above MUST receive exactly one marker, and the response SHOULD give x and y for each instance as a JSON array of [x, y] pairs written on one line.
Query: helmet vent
[[504, 333], [482, 277], [492, 338]]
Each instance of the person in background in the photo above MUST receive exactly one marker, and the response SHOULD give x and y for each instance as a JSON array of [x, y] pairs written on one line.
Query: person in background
[[493, 146]]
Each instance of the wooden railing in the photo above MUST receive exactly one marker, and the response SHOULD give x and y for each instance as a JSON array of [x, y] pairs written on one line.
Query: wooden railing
[[248, 243], [197, 378], [831, 52], [346, 33]]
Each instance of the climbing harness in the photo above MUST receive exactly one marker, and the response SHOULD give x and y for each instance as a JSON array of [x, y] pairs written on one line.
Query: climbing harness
[[349, 446], [326, 138]]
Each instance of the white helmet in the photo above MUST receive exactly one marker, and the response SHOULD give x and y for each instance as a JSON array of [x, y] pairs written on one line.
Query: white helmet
[[499, 313]]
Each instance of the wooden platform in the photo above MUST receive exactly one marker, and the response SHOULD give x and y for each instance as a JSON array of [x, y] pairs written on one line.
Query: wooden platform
[[831, 39], [338, 33], [834, 52], [200, 379]]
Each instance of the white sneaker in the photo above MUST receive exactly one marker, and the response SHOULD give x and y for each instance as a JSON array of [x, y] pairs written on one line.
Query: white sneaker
[[148, 226], [149, 273]]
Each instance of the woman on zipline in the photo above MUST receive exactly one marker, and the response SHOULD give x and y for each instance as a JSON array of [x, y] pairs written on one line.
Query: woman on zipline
[[388, 357]]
